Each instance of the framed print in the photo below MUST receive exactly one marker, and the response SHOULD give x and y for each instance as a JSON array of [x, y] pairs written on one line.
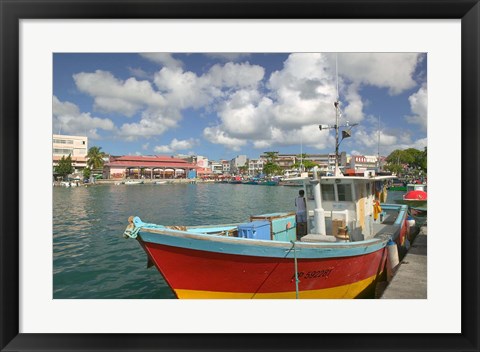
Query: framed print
[[127, 73]]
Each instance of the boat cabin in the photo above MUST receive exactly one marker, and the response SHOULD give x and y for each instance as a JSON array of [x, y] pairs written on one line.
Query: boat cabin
[[349, 206]]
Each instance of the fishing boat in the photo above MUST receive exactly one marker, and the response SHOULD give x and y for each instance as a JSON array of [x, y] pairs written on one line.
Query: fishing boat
[[340, 252], [342, 255]]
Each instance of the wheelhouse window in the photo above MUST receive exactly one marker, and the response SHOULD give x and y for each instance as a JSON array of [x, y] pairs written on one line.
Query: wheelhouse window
[[309, 189], [328, 192], [344, 192]]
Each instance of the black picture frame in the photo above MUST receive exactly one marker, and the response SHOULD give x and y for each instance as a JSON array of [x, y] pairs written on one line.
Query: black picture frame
[[468, 11]]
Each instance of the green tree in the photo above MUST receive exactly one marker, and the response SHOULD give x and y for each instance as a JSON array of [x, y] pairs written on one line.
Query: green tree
[[271, 156], [86, 173], [95, 158], [271, 168], [307, 164], [423, 160], [413, 158], [64, 166]]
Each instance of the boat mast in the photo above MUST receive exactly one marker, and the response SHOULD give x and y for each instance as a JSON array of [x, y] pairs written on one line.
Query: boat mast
[[338, 113], [378, 145], [337, 117]]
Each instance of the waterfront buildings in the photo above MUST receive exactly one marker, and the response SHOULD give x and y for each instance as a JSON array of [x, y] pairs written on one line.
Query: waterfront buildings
[[325, 162], [190, 166], [75, 146], [147, 167], [361, 163]]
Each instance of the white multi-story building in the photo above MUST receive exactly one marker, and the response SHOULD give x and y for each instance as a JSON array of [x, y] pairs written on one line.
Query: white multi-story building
[[255, 166], [75, 146], [225, 166], [217, 168], [237, 162]]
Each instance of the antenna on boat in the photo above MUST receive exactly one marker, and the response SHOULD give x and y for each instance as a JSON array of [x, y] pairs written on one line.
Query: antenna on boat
[[301, 151], [338, 113], [378, 145]]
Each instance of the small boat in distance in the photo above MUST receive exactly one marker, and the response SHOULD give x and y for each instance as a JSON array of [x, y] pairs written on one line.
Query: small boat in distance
[[131, 182], [397, 185]]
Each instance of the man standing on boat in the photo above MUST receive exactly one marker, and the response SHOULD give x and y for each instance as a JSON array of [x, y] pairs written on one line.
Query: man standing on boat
[[301, 205]]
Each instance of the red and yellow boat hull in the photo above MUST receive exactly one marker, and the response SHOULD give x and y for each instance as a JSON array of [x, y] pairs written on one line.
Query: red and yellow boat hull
[[220, 272]]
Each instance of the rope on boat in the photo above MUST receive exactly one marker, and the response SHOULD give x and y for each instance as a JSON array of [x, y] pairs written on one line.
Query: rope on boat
[[135, 225], [296, 268], [131, 232]]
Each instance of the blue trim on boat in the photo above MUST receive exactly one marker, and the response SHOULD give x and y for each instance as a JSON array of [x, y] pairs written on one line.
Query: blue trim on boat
[[260, 248], [402, 212]]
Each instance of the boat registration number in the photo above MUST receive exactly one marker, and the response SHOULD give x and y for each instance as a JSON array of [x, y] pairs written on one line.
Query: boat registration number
[[318, 274]]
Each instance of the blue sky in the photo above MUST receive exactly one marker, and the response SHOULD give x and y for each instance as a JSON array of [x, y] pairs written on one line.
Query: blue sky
[[223, 105]]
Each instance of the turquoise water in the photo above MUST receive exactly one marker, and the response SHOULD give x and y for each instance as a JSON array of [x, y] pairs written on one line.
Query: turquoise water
[[92, 260]]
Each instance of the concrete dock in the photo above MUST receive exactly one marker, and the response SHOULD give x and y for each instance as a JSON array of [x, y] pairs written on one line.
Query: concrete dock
[[410, 279]]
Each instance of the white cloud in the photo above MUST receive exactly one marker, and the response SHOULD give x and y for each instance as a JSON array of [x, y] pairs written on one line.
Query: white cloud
[[305, 136], [419, 106], [113, 95], [232, 75], [184, 89], [385, 70], [164, 59], [217, 136], [353, 112], [304, 91], [152, 123], [176, 145], [246, 115], [67, 119]]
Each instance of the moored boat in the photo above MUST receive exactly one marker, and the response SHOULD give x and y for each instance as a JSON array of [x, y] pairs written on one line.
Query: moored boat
[[341, 256], [131, 182], [416, 196]]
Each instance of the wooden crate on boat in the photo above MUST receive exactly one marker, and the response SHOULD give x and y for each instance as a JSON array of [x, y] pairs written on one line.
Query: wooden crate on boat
[[282, 225], [337, 224]]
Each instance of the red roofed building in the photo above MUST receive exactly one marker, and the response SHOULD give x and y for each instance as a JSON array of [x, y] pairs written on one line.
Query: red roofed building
[[148, 167]]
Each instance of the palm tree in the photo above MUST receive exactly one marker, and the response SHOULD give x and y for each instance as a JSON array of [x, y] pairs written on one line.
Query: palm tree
[[271, 156], [95, 158]]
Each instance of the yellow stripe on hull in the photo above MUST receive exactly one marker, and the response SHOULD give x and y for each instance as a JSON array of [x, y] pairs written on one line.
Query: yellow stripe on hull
[[344, 291]]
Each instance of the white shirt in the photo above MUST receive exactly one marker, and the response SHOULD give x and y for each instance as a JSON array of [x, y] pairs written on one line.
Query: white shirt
[[300, 204]]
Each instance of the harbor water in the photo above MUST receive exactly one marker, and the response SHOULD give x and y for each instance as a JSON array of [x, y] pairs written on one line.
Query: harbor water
[[92, 260]]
